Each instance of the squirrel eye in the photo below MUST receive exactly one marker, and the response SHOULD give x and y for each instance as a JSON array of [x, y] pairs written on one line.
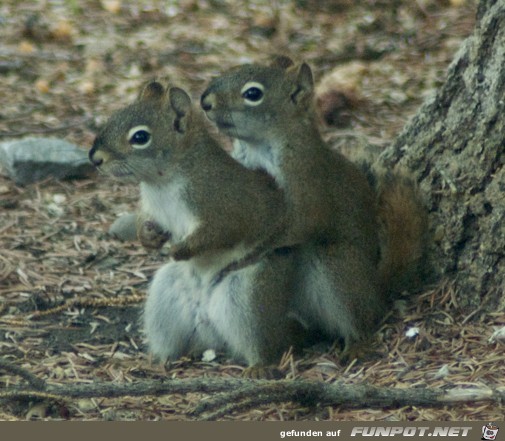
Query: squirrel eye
[[252, 93], [139, 137]]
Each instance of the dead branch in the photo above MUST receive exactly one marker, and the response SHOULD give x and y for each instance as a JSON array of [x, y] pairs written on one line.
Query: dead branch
[[310, 394], [238, 394], [32, 380]]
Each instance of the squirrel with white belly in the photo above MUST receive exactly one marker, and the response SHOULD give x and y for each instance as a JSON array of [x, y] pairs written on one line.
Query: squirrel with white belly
[[214, 211], [192, 192], [362, 244]]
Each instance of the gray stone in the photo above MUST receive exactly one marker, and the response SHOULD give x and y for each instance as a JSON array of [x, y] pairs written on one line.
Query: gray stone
[[124, 228], [33, 159]]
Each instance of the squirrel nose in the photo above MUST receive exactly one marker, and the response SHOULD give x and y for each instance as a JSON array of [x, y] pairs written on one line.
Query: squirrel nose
[[207, 101], [96, 160]]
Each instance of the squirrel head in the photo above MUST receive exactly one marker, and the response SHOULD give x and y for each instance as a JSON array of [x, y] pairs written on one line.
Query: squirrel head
[[248, 102], [137, 140]]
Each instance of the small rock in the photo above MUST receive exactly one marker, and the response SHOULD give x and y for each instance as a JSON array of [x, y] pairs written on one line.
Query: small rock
[[86, 405], [34, 159], [412, 332], [124, 228], [209, 355]]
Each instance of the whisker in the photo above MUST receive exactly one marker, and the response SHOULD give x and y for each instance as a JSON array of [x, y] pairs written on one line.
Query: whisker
[[136, 169]]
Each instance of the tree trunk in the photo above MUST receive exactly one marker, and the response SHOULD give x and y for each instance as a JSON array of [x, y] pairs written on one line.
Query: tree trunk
[[454, 146]]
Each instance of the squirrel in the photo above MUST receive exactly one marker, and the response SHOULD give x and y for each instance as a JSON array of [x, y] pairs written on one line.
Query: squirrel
[[192, 192], [266, 111], [213, 210], [360, 243]]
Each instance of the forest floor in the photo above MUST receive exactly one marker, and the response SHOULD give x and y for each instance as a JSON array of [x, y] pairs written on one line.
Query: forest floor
[[71, 296]]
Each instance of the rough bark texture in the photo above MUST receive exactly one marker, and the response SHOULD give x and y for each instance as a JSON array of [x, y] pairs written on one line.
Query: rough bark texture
[[455, 148]]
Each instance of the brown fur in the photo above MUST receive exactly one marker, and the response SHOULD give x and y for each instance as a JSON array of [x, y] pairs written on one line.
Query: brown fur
[[403, 226], [231, 209], [358, 246], [234, 205]]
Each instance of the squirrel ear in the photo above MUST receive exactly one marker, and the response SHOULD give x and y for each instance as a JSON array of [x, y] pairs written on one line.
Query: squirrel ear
[[281, 61], [304, 85], [179, 100], [181, 104], [152, 90]]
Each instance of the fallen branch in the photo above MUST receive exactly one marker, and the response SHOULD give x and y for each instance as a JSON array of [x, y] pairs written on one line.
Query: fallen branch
[[238, 394], [32, 380]]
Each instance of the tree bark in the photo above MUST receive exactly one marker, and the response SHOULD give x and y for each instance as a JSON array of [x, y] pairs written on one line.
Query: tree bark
[[454, 146]]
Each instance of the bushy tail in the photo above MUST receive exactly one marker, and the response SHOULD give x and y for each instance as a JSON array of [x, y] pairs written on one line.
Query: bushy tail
[[403, 233]]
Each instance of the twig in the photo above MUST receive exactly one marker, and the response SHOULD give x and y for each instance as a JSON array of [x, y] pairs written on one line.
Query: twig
[[34, 381], [228, 408], [229, 397], [92, 303], [13, 394]]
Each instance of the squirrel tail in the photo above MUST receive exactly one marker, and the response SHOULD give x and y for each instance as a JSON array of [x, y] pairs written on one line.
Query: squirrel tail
[[403, 234]]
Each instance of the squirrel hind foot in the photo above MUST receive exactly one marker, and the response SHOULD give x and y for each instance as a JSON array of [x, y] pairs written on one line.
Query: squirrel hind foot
[[261, 372], [358, 351]]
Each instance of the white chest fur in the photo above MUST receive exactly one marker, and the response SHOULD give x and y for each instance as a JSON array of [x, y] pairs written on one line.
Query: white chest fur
[[167, 206], [261, 156]]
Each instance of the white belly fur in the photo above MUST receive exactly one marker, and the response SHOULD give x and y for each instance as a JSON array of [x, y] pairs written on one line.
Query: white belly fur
[[184, 314], [166, 205]]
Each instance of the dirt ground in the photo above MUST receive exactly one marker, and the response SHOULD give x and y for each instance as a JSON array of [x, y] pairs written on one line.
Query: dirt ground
[[71, 296]]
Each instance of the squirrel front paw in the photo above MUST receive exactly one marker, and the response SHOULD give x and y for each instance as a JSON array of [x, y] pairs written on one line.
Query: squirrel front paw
[[180, 251], [152, 236]]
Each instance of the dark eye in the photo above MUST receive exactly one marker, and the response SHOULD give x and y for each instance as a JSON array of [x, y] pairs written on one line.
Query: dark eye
[[139, 137], [253, 94]]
